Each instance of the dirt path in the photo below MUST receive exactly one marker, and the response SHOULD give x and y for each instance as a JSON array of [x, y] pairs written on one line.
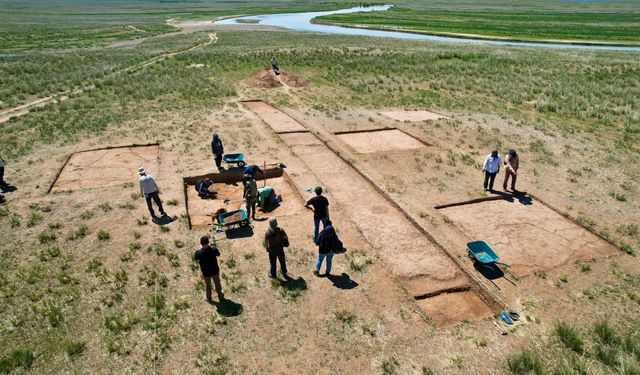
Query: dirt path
[[445, 292], [23, 109]]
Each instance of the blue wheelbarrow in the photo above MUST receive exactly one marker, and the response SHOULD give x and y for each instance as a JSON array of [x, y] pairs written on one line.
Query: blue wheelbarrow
[[234, 160], [231, 219], [481, 252]]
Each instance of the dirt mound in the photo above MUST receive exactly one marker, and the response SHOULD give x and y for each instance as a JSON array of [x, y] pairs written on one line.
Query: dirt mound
[[267, 79]]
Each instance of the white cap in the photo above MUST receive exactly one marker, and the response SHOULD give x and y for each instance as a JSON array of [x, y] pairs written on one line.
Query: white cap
[[141, 171]]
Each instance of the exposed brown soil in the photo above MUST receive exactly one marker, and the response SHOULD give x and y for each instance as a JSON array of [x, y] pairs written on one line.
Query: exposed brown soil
[[279, 121], [229, 197], [454, 307], [528, 237], [421, 265], [382, 140], [266, 78], [107, 167], [414, 116]]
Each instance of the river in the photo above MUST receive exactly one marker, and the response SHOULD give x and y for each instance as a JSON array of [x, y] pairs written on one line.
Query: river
[[302, 22]]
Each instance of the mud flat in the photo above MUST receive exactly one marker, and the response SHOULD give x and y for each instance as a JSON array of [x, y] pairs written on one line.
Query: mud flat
[[425, 270], [527, 235], [414, 116], [371, 141], [106, 167]]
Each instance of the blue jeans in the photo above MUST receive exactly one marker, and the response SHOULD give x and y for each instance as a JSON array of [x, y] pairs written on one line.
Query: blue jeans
[[321, 257], [316, 228]]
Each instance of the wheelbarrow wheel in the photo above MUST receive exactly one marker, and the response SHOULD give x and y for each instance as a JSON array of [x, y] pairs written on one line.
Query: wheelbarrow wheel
[[244, 223], [241, 164]]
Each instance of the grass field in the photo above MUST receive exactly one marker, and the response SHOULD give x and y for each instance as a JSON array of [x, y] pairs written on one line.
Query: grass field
[[611, 21], [89, 285]]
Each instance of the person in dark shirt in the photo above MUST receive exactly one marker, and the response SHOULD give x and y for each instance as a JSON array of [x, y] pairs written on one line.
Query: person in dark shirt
[[250, 171], [217, 149], [328, 244], [275, 240], [320, 210], [207, 257], [202, 187]]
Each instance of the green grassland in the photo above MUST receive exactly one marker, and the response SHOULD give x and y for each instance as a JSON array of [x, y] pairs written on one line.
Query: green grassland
[[44, 291], [64, 24], [579, 23], [564, 91]]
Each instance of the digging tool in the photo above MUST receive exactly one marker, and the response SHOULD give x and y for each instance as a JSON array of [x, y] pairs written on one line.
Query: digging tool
[[502, 331]]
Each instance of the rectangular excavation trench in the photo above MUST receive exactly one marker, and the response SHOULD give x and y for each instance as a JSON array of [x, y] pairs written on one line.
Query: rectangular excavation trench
[[228, 188], [109, 166], [380, 140], [443, 290], [526, 234]]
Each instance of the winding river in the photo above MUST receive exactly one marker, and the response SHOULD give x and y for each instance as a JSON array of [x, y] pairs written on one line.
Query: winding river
[[302, 22]]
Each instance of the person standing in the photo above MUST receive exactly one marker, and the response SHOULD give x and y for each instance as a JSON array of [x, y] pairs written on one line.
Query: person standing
[[490, 167], [511, 163], [149, 190], [275, 240], [251, 197], [207, 257], [328, 244], [3, 183], [274, 65], [218, 150], [320, 210]]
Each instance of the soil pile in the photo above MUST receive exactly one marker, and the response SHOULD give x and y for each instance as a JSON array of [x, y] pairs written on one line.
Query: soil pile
[[267, 79]]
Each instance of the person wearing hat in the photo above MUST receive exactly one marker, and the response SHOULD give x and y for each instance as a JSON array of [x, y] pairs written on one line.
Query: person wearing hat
[[207, 257], [491, 167], [274, 65], [511, 163], [218, 150], [149, 190], [320, 210], [275, 240]]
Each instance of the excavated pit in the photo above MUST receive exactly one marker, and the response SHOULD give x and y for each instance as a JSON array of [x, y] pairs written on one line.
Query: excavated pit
[[380, 140], [426, 270], [106, 167], [227, 193], [526, 234], [414, 116]]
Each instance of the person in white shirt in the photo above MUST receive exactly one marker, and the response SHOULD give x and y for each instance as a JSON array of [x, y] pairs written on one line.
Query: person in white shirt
[[491, 167], [149, 190]]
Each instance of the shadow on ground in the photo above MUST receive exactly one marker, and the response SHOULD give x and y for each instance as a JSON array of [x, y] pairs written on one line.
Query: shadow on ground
[[343, 281], [241, 232], [290, 288], [8, 188], [164, 220], [228, 308]]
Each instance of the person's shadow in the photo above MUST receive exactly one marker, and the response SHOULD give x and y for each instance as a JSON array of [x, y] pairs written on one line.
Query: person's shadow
[[164, 220], [8, 188], [343, 281], [228, 308]]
